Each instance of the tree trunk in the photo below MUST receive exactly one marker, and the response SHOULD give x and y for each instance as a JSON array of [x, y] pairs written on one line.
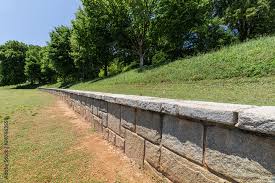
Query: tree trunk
[[106, 70], [141, 60]]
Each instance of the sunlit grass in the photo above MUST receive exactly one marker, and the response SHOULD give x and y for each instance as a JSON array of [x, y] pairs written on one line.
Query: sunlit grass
[[41, 144]]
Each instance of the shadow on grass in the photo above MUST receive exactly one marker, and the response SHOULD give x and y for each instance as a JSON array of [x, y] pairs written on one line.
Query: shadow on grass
[[27, 86]]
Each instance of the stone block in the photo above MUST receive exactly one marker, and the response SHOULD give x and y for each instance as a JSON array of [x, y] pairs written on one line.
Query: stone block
[[153, 172], [244, 157], [103, 106], [179, 169], [259, 119], [96, 104], [128, 117], [122, 131], [152, 154], [210, 111], [114, 117], [184, 137], [112, 137], [98, 124], [120, 142], [149, 125], [104, 117], [134, 147], [105, 133]]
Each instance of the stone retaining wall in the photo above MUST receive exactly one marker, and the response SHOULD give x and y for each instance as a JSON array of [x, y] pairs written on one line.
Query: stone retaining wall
[[184, 141]]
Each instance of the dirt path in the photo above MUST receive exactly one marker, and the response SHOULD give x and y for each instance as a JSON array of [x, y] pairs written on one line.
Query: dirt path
[[109, 164]]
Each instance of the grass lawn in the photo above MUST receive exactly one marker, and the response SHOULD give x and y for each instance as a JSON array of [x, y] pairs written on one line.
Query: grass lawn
[[40, 143], [242, 73], [254, 91]]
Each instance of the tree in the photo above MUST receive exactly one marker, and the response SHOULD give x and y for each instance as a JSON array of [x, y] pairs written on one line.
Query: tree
[[33, 64], [249, 17], [47, 70], [12, 60], [59, 53], [136, 36], [176, 22], [83, 45]]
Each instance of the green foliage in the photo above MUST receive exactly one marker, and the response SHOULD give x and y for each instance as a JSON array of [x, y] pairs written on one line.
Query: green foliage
[[47, 68], [32, 64], [12, 60], [249, 17], [59, 49], [160, 58]]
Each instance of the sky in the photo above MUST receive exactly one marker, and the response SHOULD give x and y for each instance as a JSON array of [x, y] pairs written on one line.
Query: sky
[[30, 21]]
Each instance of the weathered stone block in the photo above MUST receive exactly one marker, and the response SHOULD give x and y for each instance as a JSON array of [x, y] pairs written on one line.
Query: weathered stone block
[[120, 142], [149, 125], [114, 117], [259, 119], [112, 137], [179, 169], [128, 117], [105, 133], [122, 131], [210, 111], [104, 117], [153, 172], [152, 154], [184, 137], [244, 157], [134, 147], [98, 124], [96, 104], [103, 106]]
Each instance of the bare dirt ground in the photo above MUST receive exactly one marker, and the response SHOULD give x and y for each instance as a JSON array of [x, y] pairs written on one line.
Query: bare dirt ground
[[109, 164]]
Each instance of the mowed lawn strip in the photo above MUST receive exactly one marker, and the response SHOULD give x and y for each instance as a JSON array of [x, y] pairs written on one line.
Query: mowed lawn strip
[[41, 142]]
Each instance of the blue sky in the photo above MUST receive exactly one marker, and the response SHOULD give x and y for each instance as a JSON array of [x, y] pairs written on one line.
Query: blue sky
[[30, 21]]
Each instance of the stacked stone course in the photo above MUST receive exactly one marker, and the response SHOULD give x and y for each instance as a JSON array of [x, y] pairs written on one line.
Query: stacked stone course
[[183, 141]]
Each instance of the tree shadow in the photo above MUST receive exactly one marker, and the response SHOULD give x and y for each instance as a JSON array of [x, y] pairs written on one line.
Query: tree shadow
[[27, 86]]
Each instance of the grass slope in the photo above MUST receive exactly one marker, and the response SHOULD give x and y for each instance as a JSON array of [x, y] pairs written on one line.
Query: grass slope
[[242, 73]]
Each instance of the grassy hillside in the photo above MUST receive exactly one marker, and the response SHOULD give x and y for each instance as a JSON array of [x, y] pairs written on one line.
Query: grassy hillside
[[243, 73]]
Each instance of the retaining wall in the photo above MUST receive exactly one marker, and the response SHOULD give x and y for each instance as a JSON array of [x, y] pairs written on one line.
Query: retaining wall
[[184, 141]]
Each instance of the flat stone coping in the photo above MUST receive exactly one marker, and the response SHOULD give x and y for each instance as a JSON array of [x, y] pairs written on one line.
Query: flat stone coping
[[246, 117]]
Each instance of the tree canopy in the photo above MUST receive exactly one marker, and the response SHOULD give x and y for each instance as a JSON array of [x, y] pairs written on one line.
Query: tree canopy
[[111, 36]]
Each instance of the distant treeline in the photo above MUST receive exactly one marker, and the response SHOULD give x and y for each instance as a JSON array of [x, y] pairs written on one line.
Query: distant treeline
[[111, 36]]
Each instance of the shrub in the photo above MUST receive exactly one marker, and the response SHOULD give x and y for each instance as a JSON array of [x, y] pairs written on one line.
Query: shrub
[[159, 58]]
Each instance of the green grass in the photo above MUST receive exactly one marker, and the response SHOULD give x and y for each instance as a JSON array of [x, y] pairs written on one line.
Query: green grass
[[41, 143], [242, 73]]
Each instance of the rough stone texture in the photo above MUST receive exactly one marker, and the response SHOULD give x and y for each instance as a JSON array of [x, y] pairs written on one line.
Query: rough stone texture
[[105, 133], [152, 154], [179, 169], [96, 104], [122, 131], [241, 156], [184, 137], [260, 119], [128, 117], [104, 117], [134, 147], [153, 172], [112, 137], [114, 117], [210, 111], [103, 106], [120, 142], [149, 125], [98, 124]]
